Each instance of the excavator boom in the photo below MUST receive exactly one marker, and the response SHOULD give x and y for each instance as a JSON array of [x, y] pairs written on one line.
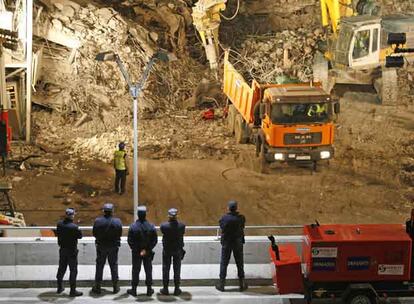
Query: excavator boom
[[333, 10], [206, 18]]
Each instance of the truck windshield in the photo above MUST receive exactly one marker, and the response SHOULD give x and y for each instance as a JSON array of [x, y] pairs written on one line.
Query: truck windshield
[[301, 113]]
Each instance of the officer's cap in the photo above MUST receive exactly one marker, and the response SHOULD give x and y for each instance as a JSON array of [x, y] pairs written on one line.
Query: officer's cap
[[232, 205], [172, 212], [141, 209], [121, 145], [109, 207], [70, 211]]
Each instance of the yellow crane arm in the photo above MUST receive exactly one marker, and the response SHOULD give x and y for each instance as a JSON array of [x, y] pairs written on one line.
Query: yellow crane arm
[[333, 10], [206, 18]]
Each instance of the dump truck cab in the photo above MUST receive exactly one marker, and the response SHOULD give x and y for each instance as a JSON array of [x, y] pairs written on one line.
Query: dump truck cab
[[297, 123]]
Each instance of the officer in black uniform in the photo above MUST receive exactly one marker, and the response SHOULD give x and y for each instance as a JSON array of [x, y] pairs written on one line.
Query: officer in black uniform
[[409, 227], [68, 234], [173, 249], [107, 231], [232, 240], [142, 238]]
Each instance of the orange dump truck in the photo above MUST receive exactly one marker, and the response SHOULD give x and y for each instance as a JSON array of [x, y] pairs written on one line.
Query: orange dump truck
[[286, 122]]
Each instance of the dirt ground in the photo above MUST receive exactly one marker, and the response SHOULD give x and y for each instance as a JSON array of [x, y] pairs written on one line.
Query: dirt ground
[[370, 180]]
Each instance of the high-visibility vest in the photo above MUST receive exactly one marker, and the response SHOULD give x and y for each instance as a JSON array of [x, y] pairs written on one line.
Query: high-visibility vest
[[119, 158], [316, 109]]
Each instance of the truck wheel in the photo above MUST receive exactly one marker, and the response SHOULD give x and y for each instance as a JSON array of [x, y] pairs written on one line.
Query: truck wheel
[[258, 144], [361, 298], [263, 163], [231, 117], [240, 130]]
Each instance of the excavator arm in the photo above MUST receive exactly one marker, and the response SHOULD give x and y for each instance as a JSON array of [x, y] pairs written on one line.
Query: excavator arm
[[206, 18], [333, 10]]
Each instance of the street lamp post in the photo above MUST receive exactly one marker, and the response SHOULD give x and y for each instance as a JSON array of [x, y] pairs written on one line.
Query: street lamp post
[[135, 91]]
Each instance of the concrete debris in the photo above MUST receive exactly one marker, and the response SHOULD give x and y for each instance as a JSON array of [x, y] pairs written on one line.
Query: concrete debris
[[406, 85], [163, 137], [92, 96], [17, 179], [290, 53]]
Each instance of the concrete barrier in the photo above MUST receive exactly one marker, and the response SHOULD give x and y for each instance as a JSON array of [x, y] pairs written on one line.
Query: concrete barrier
[[35, 260]]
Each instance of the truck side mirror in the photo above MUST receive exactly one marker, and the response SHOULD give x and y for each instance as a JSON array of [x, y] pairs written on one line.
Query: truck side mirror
[[337, 108], [262, 110]]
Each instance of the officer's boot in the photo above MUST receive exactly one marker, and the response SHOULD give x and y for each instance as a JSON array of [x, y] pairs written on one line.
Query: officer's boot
[[74, 292], [177, 290], [164, 289], [150, 291], [220, 285], [60, 288], [132, 291], [115, 286], [242, 284], [97, 288]]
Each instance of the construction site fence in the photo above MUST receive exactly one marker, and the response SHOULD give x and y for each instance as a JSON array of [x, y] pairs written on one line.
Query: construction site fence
[[190, 230]]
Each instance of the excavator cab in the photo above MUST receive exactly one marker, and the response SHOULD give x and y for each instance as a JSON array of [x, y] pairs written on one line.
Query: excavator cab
[[358, 43]]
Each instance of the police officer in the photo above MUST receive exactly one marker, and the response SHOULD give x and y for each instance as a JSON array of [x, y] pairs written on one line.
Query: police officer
[[107, 231], [409, 227], [142, 238], [121, 170], [173, 249], [232, 240], [68, 234]]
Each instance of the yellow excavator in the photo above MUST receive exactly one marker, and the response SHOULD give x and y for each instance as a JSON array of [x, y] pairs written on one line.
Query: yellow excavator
[[363, 48]]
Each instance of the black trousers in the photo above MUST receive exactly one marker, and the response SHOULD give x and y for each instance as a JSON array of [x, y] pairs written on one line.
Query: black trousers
[[137, 261], [120, 179], [68, 257], [167, 257], [226, 250], [102, 254]]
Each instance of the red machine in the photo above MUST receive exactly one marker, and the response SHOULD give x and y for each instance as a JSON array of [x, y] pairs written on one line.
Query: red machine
[[358, 263], [5, 132], [287, 274]]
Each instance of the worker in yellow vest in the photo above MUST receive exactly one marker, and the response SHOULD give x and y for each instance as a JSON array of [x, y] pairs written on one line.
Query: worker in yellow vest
[[317, 110], [121, 170]]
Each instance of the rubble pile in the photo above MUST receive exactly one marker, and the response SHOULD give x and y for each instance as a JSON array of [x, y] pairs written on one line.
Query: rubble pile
[[173, 135], [397, 6], [407, 163], [284, 15], [78, 83], [288, 53], [92, 97], [406, 85]]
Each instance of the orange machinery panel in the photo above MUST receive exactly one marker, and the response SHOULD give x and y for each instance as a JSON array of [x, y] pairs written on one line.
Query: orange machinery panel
[[287, 272], [357, 253]]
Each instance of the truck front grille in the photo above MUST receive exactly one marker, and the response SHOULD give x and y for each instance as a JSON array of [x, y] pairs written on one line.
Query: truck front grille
[[303, 139]]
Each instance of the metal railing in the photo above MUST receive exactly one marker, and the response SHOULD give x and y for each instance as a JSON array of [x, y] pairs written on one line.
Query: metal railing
[[188, 228]]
